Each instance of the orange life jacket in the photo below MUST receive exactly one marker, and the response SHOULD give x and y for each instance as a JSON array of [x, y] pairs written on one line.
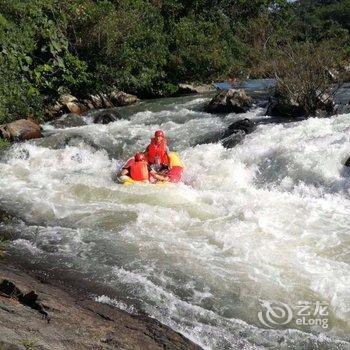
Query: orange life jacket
[[155, 151], [139, 171]]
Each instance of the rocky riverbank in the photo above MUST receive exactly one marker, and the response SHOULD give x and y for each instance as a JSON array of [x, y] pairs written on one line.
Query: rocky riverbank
[[35, 313]]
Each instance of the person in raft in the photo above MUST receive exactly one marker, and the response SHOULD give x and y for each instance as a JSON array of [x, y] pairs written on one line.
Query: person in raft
[[159, 159], [157, 152], [138, 169]]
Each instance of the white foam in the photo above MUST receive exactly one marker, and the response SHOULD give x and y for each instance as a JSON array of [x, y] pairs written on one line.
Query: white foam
[[267, 219]]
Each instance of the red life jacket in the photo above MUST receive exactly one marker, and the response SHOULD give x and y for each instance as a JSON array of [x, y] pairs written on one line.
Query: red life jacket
[[139, 171], [175, 174], [157, 151]]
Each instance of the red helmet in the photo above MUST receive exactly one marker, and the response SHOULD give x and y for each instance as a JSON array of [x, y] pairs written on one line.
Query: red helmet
[[139, 157], [159, 133]]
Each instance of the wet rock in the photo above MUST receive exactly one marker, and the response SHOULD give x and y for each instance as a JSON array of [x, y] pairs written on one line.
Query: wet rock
[[120, 98], [70, 120], [195, 88], [22, 129], [76, 321], [236, 132], [280, 107], [246, 125], [234, 139], [106, 117], [347, 163], [231, 101]]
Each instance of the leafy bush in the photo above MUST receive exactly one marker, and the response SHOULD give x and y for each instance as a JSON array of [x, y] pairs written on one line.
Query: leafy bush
[[302, 73], [147, 47], [201, 49]]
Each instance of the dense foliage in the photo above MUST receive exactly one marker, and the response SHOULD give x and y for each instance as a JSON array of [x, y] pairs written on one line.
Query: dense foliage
[[147, 47]]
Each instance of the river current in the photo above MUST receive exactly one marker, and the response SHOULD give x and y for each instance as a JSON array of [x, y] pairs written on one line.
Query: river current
[[252, 251]]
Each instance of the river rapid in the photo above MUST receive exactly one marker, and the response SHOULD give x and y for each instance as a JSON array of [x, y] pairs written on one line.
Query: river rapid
[[264, 223]]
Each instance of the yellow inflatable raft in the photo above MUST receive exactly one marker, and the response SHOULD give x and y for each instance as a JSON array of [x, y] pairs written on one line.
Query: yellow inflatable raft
[[175, 161]]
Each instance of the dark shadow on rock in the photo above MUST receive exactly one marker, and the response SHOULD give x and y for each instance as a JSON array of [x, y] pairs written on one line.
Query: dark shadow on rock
[[106, 117], [9, 289], [233, 135], [236, 132], [347, 162]]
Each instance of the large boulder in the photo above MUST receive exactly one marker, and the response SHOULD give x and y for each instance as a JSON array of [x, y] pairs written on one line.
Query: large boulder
[[106, 117], [282, 107], [22, 129], [278, 107], [120, 98], [231, 101], [236, 132]]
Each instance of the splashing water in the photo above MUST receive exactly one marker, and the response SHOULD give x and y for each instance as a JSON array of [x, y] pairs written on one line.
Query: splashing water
[[266, 221]]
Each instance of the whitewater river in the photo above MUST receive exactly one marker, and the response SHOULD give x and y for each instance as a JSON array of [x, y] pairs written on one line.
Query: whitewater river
[[252, 251]]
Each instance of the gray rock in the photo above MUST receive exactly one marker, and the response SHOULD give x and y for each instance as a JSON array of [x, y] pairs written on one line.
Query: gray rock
[[120, 98], [76, 322], [236, 132], [70, 120], [231, 101], [279, 108]]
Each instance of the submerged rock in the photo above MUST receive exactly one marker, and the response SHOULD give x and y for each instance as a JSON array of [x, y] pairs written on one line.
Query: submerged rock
[[70, 120], [246, 125], [231, 101], [234, 139], [22, 129], [106, 117], [236, 132]]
